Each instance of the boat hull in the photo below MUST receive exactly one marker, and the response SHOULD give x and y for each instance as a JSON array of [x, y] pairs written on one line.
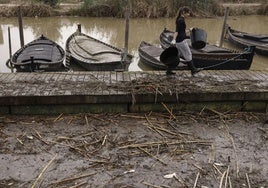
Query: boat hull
[[93, 54], [41, 54], [213, 57], [242, 40], [150, 55]]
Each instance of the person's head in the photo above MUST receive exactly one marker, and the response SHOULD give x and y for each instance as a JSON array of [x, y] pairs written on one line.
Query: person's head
[[184, 11]]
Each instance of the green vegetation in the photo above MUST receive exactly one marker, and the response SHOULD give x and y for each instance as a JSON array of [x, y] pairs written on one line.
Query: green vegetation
[[49, 2], [145, 8], [160, 8], [242, 1], [137, 8]]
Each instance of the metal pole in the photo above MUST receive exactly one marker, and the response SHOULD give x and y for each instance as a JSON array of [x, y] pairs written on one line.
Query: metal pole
[[224, 26], [20, 27]]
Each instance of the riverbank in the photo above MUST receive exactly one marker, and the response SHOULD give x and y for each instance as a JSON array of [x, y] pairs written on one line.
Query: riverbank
[[77, 9], [203, 149]]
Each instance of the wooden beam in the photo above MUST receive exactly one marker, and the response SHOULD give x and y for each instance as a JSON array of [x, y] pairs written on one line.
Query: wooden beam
[[224, 26], [127, 29], [20, 27]]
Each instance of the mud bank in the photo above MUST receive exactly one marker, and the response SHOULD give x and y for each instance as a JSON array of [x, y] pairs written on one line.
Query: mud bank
[[209, 148]]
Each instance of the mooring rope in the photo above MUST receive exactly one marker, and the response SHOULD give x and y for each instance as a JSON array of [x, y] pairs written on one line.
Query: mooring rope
[[228, 60]]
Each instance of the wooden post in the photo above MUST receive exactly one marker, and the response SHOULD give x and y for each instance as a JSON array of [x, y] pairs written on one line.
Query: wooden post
[[9, 43], [127, 28], [79, 28], [224, 25], [20, 27], [10, 50]]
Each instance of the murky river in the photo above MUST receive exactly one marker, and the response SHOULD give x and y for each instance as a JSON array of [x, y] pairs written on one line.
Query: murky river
[[112, 30]]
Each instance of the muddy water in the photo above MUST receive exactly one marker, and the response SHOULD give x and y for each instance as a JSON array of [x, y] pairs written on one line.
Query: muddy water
[[112, 31]]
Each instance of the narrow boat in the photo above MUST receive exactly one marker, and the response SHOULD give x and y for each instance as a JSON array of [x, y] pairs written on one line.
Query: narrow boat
[[42, 54], [150, 55], [214, 57], [243, 39], [93, 54]]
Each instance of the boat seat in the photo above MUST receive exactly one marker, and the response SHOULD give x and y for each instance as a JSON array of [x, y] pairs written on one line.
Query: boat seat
[[105, 52], [213, 49], [153, 51], [87, 44], [39, 60]]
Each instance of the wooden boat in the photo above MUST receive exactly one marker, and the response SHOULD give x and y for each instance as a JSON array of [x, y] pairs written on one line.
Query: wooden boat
[[243, 39], [214, 57], [93, 54], [150, 55], [41, 54]]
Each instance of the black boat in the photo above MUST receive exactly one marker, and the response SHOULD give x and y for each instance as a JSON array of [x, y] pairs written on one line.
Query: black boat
[[42, 54], [243, 39], [150, 55], [93, 54], [214, 57]]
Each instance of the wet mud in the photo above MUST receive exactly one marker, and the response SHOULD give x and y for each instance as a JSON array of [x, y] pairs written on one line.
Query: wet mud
[[182, 149]]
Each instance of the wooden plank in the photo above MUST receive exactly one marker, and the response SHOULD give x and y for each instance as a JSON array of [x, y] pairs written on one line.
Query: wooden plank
[[13, 77], [215, 74], [119, 79], [255, 75], [113, 81], [28, 84], [126, 76], [239, 75], [113, 77], [138, 75], [132, 75], [81, 76], [74, 77], [160, 72], [23, 86], [3, 76], [48, 77], [28, 76], [119, 76], [247, 75], [201, 73], [106, 79], [91, 76], [224, 76], [50, 90], [264, 74], [232, 74], [8, 77], [62, 77], [44, 77], [100, 79], [207, 73]]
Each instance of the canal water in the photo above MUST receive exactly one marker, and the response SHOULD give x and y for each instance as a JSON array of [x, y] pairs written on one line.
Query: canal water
[[112, 31]]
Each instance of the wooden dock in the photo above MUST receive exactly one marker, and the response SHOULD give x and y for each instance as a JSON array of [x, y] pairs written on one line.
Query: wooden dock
[[111, 92]]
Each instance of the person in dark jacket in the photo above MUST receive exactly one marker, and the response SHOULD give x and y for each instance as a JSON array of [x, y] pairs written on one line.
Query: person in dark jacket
[[179, 39]]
